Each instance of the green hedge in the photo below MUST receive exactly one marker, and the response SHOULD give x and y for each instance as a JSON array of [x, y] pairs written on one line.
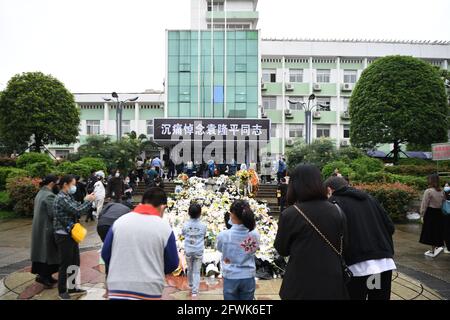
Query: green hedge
[[9, 172], [39, 169], [415, 170], [418, 183], [396, 198], [5, 201], [33, 157], [73, 168], [22, 192], [371, 164], [93, 163], [343, 168]]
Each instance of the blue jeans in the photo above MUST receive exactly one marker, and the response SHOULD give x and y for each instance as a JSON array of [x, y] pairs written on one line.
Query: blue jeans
[[239, 289], [194, 264]]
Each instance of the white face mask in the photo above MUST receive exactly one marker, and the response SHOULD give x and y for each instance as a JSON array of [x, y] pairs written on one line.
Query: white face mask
[[73, 189], [117, 175]]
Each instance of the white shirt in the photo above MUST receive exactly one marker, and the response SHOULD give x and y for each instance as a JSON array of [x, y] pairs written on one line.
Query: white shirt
[[99, 190], [369, 267]]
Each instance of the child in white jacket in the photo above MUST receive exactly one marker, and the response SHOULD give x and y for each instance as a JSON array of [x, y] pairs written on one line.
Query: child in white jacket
[[100, 193]]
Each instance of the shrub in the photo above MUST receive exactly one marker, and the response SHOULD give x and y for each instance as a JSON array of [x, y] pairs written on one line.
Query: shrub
[[371, 164], [412, 170], [343, 168], [319, 153], [418, 183], [414, 161], [76, 168], [7, 162], [39, 169], [93, 163], [8, 172], [33, 157], [22, 192], [395, 198], [5, 201], [348, 154]]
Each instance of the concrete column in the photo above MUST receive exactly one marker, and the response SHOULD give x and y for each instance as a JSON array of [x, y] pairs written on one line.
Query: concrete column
[[105, 118], [283, 116], [338, 111], [136, 118]]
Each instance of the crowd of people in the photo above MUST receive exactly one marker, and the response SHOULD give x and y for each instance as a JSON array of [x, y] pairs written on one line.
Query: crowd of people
[[338, 240]]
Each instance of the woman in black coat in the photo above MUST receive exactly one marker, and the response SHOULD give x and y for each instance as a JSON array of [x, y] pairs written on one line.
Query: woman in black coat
[[314, 270]]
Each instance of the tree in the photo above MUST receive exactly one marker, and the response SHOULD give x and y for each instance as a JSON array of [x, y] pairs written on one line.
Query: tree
[[319, 153], [398, 100], [37, 109]]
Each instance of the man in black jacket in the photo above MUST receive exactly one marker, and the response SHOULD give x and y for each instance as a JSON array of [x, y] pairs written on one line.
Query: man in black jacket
[[369, 248]]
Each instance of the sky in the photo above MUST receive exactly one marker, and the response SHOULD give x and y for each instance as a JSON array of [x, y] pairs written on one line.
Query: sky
[[113, 45]]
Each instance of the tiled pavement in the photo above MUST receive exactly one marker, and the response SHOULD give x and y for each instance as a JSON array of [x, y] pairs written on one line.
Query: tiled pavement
[[419, 278]]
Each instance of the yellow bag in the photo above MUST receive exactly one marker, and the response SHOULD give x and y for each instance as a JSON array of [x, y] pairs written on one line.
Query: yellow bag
[[78, 232]]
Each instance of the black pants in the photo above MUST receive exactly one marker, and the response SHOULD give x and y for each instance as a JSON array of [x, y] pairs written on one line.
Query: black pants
[[171, 173], [69, 255], [358, 288], [103, 231]]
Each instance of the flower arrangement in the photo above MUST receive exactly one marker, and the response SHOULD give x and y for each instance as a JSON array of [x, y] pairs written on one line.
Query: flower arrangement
[[214, 206]]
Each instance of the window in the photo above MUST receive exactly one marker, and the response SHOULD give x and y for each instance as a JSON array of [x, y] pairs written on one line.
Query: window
[[295, 131], [296, 75], [61, 154], [215, 6], [92, 127], [150, 127], [350, 76], [323, 131], [269, 103], [323, 75], [346, 132], [273, 130], [126, 126], [346, 104], [269, 75], [323, 103], [297, 106]]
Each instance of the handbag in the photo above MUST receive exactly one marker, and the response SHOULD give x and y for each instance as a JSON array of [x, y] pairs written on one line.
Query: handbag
[[446, 207], [78, 232], [347, 273]]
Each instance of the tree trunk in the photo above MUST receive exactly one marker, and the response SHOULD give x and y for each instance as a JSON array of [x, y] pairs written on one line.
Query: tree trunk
[[37, 145], [396, 151]]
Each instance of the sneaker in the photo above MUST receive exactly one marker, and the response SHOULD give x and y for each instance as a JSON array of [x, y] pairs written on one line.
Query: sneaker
[[429, 253], [77, 292], [64, 296], [446, 250], [437, 251]]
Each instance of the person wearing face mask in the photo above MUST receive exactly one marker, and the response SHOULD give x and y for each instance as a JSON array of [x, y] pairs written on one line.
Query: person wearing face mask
[[100, 193], [44, 253], [67, 212], [116, 187], [139, 250], [447, 219]]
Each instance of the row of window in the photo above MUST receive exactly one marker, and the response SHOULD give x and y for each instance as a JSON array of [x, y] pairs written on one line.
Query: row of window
[[296, 131], [296, 76], [231, 26], [323, 103], [93, 127]]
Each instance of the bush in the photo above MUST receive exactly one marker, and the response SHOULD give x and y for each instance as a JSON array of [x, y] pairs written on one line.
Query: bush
[[418, 183], [349, 154], [7, 162], [8, 172], [395, 198], [319, 153], [76, 168], [371, 164], [39, 169], [22, 192], [343, 168], [5, 201], [93, 164], [414, 161], [33, 157], [412, 170]]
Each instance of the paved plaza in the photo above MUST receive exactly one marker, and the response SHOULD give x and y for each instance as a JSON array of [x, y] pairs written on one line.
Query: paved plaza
[[418, 277]]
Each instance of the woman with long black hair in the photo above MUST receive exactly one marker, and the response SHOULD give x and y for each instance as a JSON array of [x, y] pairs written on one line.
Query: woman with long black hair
[[44, 253], [433, 218], [310, 233], [238, 246]]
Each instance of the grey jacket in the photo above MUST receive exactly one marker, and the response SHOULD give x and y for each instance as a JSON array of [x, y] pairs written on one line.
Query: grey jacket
[[43, 246]]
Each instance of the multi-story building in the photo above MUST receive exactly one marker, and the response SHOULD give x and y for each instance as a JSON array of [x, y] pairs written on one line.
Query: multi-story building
[[222, 69]]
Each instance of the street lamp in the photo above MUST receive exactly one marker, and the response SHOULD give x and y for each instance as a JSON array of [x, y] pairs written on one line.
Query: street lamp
[[308, 107], [120, 104]]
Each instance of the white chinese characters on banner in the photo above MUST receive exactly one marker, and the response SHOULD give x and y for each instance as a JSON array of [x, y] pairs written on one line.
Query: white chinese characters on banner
[[211, 129]]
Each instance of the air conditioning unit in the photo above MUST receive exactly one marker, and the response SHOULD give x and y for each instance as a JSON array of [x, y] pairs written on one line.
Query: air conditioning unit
[[264, 115], [345, 143], [263, 86], [316, 87], [288, 114], [289, 142], [347, 87], [345, 115], [317, 115], [289, 87]]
